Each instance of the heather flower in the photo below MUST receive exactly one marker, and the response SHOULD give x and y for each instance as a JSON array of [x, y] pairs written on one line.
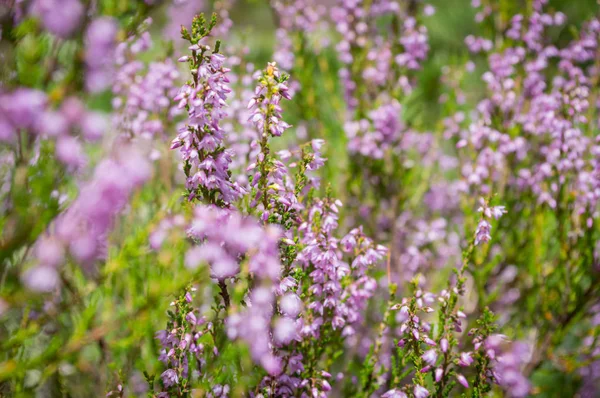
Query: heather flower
[[270, 182], [99, 51], [268, 94], [461, 379], [200, 141], [285, 330], [430, 356], [292, 285], [182, 344], [70, 152], [253, 326], [19, 110], [489, 212], [169, 378], [61, 18], [414, 43], [393, 393], [50, 251], [93, 126], [439, 373], [465, 359], [299, 17], [420, 392], [346, 303], [29, 111], [83, 227], [444, 345], [142, 101], [508, 360], [536, 109], [225, 235], [290, 305], [41, 278], [482, 233]]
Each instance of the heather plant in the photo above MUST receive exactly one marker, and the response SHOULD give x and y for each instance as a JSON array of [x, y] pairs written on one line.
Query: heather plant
[[349, 198]]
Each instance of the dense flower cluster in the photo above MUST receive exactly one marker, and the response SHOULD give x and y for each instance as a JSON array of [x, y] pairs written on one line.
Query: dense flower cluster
[[550, 113], [268, 180], [143, 94], [336, 303], [296, 16], [375, 60], [30, 111], [82, 230], [226, 236], [200, 141], [100, 44], [59, 18]]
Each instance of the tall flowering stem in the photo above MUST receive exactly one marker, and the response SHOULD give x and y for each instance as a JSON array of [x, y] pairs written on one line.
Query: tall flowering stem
[[266, 117], [200, 140], [182, 346]]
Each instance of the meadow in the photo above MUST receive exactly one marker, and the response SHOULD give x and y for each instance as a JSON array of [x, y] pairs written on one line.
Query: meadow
[[300, 198]]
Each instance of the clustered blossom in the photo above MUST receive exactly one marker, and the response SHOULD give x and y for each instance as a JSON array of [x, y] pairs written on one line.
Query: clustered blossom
[[83, 229], [338, 293], [334, 302], [273, 320], [224, 235], [419, 240], [222, 8], [424, 243], [549, 112], [349, 17], [266, 115], [253, 325], [385, 61], [60, 17], [142, 94], [478, 44], [268, 181], [508, 360], [383, 128], [69, 126], [384, 131], [382, 47], [482, 234], [303, 15], [415, 332], [295, 17], [200, 141], [100, 44], [415, 45]]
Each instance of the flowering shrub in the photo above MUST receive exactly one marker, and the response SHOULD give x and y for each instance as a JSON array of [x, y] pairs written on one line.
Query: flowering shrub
[[353, 198]]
